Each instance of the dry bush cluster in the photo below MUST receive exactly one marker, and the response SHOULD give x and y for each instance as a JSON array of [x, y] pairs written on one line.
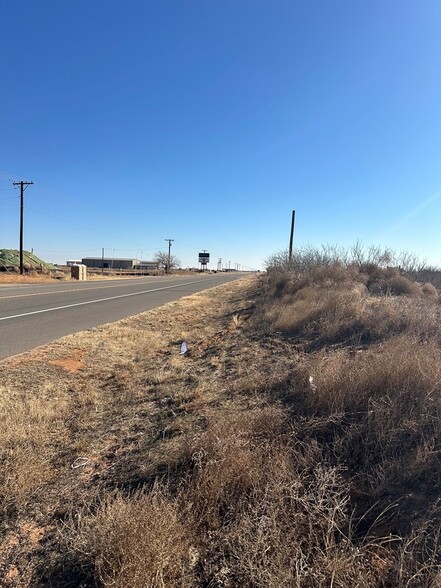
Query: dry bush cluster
[[378, 411], [251, 510], [297, 444], [135, 541], [351, 304], [258, 504]]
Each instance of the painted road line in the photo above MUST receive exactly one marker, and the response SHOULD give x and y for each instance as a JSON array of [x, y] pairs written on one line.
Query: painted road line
[[6, 318], [65, 291]]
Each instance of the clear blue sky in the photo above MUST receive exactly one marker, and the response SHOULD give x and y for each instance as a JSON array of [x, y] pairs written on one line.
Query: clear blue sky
[[208, 121]]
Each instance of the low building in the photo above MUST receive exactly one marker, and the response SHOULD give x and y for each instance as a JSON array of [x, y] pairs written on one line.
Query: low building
[[146, 265], [119, 263], [110, 262]]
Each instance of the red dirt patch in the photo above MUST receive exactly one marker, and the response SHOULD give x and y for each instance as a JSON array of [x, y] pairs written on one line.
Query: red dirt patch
[[72, 363]]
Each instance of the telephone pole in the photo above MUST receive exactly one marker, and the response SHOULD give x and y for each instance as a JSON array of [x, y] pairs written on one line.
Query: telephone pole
[[291, 237], [23, 185], [170, 241]]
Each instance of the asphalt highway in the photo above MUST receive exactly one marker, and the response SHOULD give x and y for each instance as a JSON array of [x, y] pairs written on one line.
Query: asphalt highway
[[32, 315]]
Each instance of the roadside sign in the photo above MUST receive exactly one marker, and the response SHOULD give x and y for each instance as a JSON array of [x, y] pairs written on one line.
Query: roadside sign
[[204, 258]]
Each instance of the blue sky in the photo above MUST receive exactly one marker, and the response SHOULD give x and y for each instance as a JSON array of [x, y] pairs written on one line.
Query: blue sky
[[209, 121]]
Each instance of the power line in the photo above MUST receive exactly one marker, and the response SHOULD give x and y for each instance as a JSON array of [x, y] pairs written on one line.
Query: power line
[[67, 250], [54, 190], [8, 175], [50, 189], [83, 226], [189, 246]]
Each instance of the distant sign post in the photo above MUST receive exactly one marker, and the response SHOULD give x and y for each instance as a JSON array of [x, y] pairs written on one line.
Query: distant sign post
[[204, 259]]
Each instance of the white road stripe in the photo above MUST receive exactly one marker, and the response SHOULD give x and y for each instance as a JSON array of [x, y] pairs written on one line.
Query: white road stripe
[[63, 291], [6, 318]]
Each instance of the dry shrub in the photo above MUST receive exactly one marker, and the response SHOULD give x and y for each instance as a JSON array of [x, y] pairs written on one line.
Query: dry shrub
[[429, 291], [325, 315], [388, 402], [269, 512], [256, 507], [402, 286], [338, 305], [401, 363], [389, 281], [292, 533], [135, 541], [230, 460], [428, 275], [283, 282], [387, 316], [422, 545]]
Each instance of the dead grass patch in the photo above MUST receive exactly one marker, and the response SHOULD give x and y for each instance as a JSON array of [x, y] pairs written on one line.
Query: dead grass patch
[[266, 456], [335, 305], [12, 278], [379, 412], [30, 425], [136, 540]]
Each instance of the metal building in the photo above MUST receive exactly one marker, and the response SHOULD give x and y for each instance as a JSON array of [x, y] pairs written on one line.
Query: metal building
[[119, 263], [110, 262]]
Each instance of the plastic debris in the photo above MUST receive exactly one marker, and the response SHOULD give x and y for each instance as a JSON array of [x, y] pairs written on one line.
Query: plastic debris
[[80, 462]]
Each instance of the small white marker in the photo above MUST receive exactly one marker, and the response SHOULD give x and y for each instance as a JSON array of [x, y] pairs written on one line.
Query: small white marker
[[183, 348]]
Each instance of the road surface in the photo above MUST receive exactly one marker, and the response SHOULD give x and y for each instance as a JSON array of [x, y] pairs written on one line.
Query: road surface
[[32, 315]]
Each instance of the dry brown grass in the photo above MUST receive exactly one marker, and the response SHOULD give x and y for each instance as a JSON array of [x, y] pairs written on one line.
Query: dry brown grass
[[250, 509], [29, 278], [344, 306], [135, 540], [30, 425], [295, 444], [385, 405]]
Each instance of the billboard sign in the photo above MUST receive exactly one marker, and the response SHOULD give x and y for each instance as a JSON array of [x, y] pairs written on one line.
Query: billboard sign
[[204, 258]]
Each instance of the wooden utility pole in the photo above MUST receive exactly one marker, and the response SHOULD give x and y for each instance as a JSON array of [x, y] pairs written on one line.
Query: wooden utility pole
[[23, 185], [169, 254], [291, 239]]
